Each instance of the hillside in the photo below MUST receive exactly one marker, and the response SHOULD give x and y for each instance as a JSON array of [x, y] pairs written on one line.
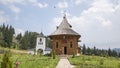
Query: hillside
[[15, 51]]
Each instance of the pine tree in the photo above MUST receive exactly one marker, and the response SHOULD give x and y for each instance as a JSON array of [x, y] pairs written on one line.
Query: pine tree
[[84, 49], [94, 50], [1, 39], [119, 55], [109, 52], [88, 51], [28, 40], [19, 37]]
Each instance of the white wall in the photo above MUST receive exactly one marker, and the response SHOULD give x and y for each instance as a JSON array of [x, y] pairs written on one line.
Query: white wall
[[46, 52], [42, 44]]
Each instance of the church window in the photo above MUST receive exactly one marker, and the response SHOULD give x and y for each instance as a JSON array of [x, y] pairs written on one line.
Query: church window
[[40, 40], [56, 44], [71, 45]]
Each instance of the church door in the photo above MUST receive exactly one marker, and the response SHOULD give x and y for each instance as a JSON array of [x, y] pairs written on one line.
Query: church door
[[65, 50]]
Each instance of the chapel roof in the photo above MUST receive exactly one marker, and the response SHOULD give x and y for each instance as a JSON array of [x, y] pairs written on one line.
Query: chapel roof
[[41, 35], [64, 28]]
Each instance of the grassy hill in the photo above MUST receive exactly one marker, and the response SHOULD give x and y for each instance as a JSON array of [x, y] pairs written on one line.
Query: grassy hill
[[15, 50], [30, 61], [95, 62]]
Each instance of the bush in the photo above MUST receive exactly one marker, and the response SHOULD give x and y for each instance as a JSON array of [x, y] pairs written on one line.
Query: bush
[[101, 62], [119, 65], [73, 55], [6, 62], [54, 55]]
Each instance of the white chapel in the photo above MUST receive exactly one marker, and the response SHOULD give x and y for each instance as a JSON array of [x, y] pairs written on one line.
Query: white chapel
[[41, 44]]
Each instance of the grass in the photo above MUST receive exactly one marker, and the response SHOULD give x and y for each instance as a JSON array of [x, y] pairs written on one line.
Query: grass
[[15, 50], [32, 61], [95, 62]]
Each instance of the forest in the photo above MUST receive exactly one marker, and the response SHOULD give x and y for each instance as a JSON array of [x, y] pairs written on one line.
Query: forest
[[23, 42]]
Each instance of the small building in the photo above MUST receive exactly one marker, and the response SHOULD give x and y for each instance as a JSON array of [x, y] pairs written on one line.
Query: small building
[[64, 39], [41, 45]]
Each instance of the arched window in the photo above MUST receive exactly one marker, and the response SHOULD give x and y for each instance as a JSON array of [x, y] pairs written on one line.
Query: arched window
[[56, 44], [40, 40], [71, 45]]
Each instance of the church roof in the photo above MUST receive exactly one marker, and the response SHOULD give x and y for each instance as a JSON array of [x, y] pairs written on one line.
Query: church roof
[[64, 28], [41, 35]]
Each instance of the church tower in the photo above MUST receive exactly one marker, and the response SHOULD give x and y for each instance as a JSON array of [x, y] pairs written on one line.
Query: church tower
[[40, 43]]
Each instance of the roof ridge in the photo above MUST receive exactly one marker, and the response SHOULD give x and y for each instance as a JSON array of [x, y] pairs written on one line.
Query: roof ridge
[[64, 23]]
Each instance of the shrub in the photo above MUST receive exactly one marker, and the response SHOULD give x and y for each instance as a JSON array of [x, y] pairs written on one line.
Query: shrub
[[73, 54], [119, 65], [101, 62], [54, 55], [6, 62]]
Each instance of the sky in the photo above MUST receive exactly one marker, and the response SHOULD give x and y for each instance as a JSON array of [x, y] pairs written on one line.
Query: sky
[[97, 21]]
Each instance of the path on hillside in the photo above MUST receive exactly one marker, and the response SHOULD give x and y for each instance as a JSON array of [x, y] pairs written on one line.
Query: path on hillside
[[64, 63]]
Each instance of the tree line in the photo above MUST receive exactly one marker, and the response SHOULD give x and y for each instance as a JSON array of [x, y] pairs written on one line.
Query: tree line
[[99, 52], [9, 40], [26, 41], [6, 35]]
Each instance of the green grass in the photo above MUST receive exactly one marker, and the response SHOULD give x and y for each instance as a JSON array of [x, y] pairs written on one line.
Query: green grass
[[95, 62], [33, 61]]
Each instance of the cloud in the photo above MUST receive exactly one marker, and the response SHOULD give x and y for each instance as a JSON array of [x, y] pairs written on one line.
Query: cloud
[[62, 5], [40, 5], [3, 18], [18, 30], [98, 21], [15, 9], [10, 4], [2, 12], [77, 2]]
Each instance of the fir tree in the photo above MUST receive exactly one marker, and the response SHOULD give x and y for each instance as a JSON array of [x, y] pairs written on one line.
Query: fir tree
[[84, 49]]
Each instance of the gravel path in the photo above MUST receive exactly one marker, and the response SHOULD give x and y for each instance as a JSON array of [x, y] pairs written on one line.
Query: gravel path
[[64, 63]]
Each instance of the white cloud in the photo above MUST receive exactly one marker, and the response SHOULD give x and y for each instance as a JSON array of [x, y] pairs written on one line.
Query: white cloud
[[77, 2], [12, 1], [10, 4], [104, 23], [2, 12], [62, 5], [15, 9], [99, 20], [18, 30], [40, 5], [3, 18]]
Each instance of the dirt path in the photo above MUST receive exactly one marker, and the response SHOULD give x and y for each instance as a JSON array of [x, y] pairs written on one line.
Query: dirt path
[[64, 63]]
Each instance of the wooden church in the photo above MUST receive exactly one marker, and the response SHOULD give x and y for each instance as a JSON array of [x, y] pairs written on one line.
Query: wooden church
[[64, 39]]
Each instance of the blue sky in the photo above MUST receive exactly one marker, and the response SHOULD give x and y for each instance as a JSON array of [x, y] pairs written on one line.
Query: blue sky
[[96, 20]]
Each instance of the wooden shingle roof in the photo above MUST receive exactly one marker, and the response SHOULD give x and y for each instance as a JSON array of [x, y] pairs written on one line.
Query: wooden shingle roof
[[64, 28]]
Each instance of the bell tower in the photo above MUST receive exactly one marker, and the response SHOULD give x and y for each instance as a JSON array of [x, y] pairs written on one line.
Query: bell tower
[[40, 43]]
